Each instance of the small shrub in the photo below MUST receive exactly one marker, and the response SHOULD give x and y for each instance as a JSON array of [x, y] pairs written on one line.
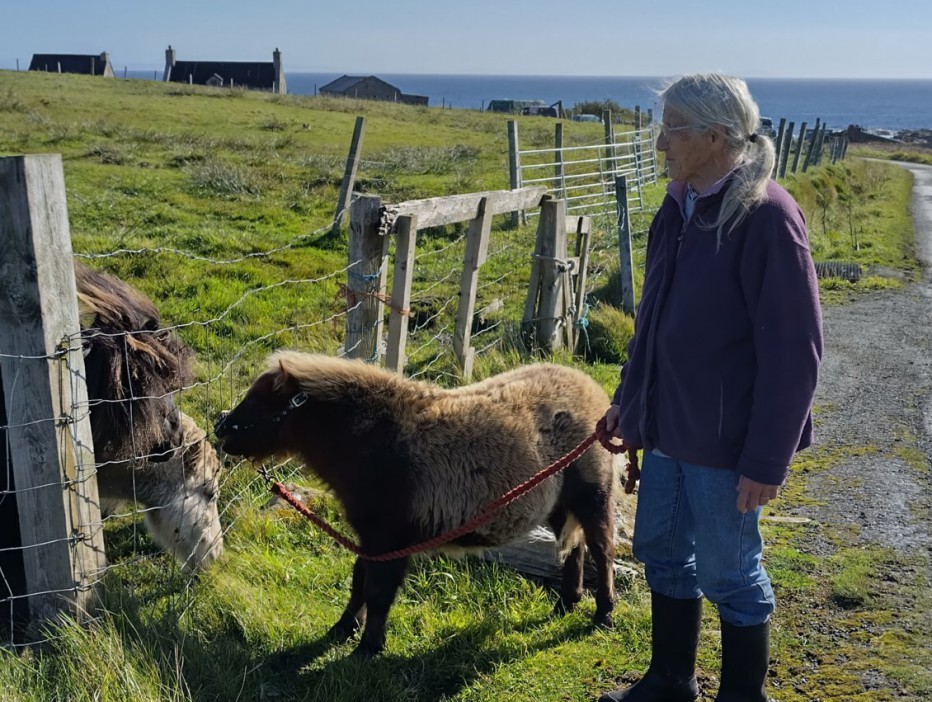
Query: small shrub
[[107, 154], [273, 123], [606, 337], [180, 160], [224, 179], [9, 102], [425, 160]]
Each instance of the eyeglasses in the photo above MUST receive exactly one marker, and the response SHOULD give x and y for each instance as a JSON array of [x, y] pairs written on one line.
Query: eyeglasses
[[665, 131]]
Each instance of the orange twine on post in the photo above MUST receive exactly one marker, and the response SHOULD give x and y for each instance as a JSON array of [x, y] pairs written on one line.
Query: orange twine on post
[[354, 296]]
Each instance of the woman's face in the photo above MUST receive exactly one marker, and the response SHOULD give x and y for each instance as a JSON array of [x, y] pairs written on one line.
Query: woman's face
[[692, 151]]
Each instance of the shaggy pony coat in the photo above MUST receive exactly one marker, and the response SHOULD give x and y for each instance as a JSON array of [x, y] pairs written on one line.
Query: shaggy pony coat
[[146, 450], [409, 461]]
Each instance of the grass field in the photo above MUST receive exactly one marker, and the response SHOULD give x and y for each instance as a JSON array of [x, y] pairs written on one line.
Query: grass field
[[226, 197]]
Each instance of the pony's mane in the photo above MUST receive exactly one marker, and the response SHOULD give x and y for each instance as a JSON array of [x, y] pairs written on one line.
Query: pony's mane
[[333, 378], [133, 366], [113, 314]]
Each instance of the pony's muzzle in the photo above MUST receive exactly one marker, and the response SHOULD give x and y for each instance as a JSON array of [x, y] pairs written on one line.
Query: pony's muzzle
[[219, 428]]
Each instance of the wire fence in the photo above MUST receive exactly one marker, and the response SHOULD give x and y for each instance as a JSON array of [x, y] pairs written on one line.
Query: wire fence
[[169, 502]]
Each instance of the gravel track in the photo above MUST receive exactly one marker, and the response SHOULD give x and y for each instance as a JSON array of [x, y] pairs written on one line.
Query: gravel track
[[875, 389]]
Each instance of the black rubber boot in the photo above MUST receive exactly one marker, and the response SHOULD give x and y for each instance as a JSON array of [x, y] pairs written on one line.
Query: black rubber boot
[[745, 659], [671, 676]]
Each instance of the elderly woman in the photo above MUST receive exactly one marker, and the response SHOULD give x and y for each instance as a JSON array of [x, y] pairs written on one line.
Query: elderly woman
[[718, 386]]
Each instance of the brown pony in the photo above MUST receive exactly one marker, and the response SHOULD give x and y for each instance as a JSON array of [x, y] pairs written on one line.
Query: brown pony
[[409, 461], [146, 449]]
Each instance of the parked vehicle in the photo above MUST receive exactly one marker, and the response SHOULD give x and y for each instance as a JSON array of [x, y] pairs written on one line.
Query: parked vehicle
[[554, 110], [766, 127], [587, 118]]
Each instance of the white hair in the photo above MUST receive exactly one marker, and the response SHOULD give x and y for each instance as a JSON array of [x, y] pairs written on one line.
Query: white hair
[[713, 100]]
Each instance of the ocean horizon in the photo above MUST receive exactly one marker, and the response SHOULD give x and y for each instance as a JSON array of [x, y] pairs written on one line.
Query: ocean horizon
[[901, 104]]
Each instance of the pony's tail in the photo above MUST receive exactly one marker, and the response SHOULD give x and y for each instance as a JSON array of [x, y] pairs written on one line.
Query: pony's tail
[[570, 536]]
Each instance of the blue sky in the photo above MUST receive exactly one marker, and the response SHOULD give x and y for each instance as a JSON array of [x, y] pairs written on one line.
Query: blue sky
[[779, 38]]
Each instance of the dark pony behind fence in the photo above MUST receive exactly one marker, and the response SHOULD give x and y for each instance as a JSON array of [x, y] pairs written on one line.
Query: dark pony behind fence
[[409, 461], [147, 451]]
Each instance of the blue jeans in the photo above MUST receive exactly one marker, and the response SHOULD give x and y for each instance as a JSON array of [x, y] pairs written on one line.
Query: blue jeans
[[693, 541]]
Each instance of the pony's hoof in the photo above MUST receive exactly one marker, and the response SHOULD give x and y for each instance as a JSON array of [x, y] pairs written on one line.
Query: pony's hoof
[[364, 652], [562, 608], [603, 621], [342, 632]]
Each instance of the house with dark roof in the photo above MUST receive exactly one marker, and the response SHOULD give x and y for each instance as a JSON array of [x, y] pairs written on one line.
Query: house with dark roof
[[369, 88], [256, 75], [89, 65]]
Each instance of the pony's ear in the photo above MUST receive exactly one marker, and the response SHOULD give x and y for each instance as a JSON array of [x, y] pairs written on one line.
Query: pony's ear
[[283, 365], [284, 369]]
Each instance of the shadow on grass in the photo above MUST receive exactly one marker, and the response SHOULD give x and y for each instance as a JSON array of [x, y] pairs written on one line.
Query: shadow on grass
[[223, 664], [460, 657]]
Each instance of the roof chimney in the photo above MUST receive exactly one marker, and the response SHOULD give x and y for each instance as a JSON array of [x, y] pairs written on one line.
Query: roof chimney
[[278, 68], [169, 63]]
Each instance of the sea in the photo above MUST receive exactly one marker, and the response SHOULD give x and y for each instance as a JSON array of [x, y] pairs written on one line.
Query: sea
[[893, 105]]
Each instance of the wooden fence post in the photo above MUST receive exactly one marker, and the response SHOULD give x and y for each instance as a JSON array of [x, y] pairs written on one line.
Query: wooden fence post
[[559, 180], [815, 132], [638, 173], [784, 154], [653, 145], [514, 169], [405, 245], [349, 174], [778, 147], [49, 430], [820, 137], [799, 145], [368, 250], [626, 266], [477, 248], [583, 231], [609, 141], [552, 259]]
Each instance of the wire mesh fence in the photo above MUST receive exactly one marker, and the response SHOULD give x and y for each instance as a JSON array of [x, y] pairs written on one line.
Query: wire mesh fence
[[166, 498]]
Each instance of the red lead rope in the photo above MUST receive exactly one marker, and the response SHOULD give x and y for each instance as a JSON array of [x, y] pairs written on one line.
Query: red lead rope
[[600, 435]]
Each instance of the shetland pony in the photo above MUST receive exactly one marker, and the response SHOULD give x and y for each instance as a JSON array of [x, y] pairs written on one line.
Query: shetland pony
[[146, 449], [409, 461]]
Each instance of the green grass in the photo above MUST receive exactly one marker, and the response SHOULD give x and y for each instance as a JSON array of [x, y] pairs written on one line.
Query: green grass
[[231, 193], [910, 153]]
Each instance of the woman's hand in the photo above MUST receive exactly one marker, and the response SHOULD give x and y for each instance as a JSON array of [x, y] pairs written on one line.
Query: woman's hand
[[752, 494], [612, 417]]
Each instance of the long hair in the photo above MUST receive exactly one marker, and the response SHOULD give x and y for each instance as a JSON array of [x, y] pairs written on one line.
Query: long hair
[[133, 366], [714, 100]]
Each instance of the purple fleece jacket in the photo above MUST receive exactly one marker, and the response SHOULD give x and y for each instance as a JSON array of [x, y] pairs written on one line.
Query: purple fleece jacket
[[724, 361]]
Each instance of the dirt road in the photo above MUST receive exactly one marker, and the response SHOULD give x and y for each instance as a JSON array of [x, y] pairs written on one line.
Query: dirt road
[[873, 490], [875, 390]]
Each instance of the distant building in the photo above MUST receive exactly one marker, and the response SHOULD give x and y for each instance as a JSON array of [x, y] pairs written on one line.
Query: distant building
[[256, 75], [89, 65], [370, 88]]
